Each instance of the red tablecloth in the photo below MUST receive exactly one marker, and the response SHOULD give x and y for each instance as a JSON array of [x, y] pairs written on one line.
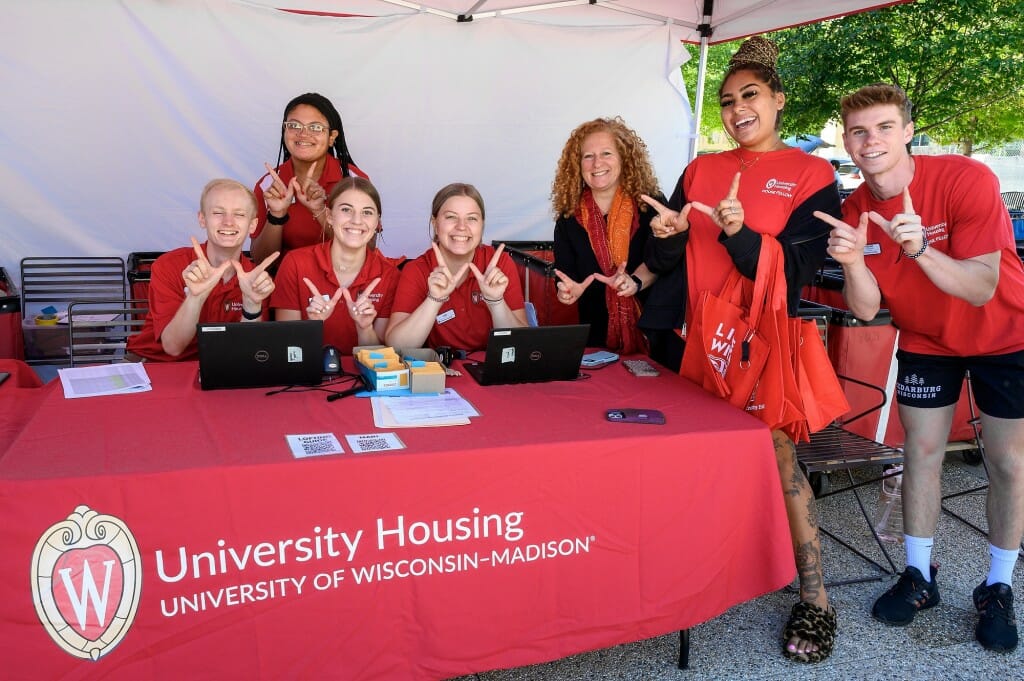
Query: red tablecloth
[[539, 531]]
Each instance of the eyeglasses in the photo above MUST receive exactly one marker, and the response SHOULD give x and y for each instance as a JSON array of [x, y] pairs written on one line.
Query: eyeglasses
[[311, 128]]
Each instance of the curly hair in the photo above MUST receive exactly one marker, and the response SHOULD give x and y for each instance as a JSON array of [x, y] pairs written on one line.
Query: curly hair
[[637, 174]]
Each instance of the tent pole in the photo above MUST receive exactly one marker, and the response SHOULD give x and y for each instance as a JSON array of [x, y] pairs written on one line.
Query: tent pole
[[702, 71]]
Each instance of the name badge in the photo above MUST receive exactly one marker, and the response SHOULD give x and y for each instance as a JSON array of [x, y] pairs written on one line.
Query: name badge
[[445, 316], [872, 249]]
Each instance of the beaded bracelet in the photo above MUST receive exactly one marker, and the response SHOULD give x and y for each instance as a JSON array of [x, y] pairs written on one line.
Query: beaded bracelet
[[438, 300], [924, 247]]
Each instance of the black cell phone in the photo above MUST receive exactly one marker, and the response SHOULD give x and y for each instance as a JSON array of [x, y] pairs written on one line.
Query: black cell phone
[[4, 375], [652, 416]]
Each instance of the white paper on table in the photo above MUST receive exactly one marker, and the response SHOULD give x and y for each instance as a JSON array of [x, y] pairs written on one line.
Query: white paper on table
[[104, 379], [374, 442], [314, 444], [383, 417], [446, 405]]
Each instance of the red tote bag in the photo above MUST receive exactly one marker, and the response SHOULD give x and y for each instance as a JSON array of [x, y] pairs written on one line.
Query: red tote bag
[[821, 394], [743, 347], [726, 351]]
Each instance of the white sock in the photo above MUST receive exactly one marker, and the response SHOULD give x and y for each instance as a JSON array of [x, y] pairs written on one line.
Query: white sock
[[919, 554], [1001, 567]]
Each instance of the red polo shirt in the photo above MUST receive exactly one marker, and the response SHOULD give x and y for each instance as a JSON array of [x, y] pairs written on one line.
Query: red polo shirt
[[167, 293], [463, 322], [302, 228], [314, 263]]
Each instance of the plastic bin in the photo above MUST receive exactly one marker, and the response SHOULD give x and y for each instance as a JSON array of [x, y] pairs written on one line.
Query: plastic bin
[[1017, 218], [535, 261], [12, 344]]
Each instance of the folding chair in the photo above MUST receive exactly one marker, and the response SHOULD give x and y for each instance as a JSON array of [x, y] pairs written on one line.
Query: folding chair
[[56, 282], [99, 329]]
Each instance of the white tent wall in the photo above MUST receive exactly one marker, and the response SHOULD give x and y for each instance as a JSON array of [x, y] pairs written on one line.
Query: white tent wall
[[115, 114]]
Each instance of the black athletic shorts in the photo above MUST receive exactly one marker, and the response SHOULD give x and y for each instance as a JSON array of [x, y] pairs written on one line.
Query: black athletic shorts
[[930, 381]]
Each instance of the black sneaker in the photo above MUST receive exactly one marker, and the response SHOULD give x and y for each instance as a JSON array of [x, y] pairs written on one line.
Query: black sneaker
[[911, 593], [997, 627]]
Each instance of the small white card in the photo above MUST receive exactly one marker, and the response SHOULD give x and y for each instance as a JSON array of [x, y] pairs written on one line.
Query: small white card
[[316, 444], [374, 442]]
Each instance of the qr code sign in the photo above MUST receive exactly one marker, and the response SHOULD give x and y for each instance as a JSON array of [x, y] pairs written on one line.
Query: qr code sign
[[318, 444], [374, 442]]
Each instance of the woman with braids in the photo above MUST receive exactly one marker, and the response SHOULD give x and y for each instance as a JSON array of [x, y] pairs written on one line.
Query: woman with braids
[[601, 230], [312, 157], [720, 209]]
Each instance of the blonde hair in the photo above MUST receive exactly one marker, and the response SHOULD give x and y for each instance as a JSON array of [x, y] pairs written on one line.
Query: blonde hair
[[226, 183], [637, 174]]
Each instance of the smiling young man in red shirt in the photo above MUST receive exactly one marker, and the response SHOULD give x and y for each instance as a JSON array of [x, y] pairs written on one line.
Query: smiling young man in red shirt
[[209, 282], [929, 237]]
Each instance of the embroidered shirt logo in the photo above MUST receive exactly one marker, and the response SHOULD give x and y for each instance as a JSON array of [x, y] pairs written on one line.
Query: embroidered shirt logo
[[777, 187], [86, 580], [936, 233]]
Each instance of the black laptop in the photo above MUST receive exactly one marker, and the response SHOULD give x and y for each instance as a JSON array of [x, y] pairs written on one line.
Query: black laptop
[[531, 354], [260, 354]]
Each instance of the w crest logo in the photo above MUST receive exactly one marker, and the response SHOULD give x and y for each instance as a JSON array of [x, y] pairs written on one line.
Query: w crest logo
[[86, 579]]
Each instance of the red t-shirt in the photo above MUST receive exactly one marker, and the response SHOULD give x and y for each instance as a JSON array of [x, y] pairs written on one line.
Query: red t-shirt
[[963, 216], [314, 263], [463, 322], [302, 228], [769, 191], [167, 293]]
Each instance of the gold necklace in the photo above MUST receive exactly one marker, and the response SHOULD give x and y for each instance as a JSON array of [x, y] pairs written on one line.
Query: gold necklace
[[747, 165]]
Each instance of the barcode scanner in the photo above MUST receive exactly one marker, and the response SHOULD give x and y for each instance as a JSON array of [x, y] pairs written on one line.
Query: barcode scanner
[[332, 360]]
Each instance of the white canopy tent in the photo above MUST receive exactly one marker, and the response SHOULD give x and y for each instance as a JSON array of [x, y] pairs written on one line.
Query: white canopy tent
[[116, 113]]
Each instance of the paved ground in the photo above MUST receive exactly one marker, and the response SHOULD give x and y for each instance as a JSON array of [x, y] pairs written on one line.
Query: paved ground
[[744, 643]]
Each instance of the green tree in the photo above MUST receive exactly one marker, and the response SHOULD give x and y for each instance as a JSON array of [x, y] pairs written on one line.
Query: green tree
[[960, 61], [718, 61]]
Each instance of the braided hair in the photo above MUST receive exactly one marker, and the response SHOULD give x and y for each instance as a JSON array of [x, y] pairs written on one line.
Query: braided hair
[[760, 56], [324, 106]]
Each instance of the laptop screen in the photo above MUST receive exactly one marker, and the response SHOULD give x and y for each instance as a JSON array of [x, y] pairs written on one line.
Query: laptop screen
[[260, 354], [531, 354]]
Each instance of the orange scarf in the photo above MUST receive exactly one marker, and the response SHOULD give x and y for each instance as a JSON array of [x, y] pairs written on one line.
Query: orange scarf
[[610, 242]]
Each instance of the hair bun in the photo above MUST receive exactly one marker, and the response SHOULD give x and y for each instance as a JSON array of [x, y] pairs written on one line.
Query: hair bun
[[757, 50]]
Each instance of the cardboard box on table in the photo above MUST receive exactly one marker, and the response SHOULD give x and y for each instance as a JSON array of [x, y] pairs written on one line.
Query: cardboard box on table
[[387, 369]]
